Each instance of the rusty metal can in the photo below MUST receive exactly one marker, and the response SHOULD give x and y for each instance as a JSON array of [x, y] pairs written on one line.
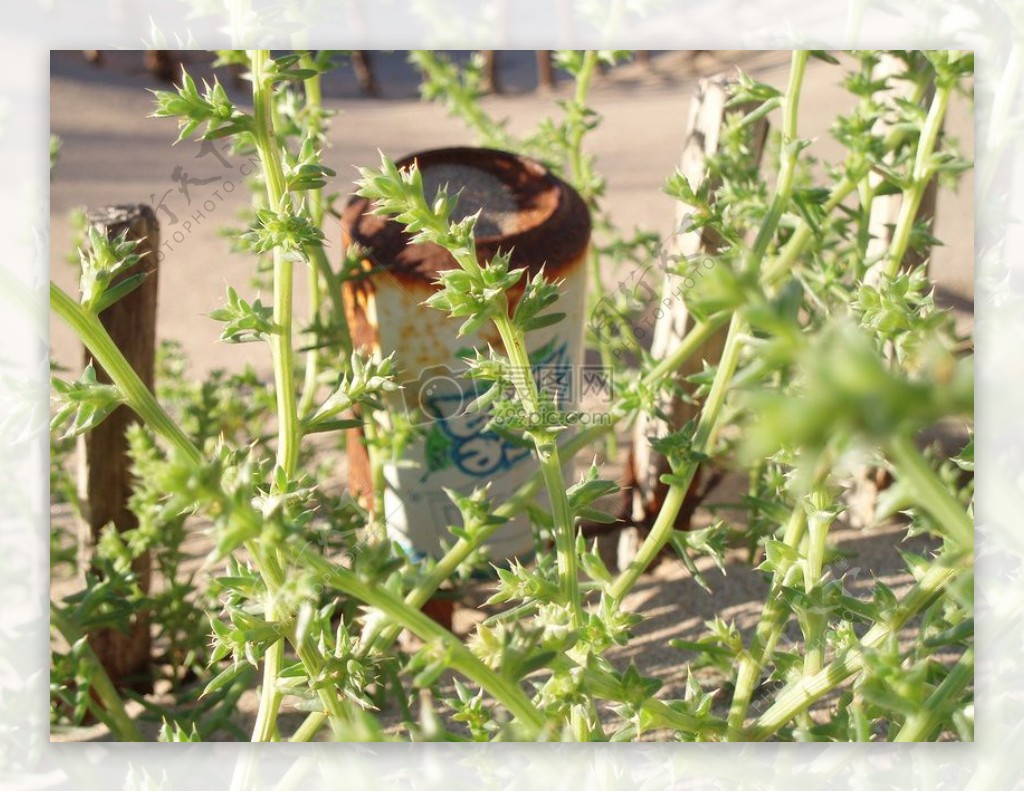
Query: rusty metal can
[[525, 210]]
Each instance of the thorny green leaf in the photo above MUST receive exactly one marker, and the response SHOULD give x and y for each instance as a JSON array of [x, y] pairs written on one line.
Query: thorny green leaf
[[244, 321], [83, 404]]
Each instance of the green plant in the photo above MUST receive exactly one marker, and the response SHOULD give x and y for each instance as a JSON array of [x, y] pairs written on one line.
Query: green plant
[[820, 368], [559, 144]]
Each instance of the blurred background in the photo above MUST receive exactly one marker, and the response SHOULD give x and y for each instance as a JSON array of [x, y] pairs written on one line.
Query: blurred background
[[112, 152]]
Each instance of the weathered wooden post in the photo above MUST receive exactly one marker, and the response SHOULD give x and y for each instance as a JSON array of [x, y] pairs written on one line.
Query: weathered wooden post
[[105, 482], [545, 70], [490, 83], [363, 67], [704, 127], [163, 64]]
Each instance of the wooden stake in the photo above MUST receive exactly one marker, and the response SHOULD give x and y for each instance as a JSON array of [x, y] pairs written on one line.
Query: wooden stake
[[163, 64], [490, 83], [105, 482], [704, 127], [363, 67], [545, 70]]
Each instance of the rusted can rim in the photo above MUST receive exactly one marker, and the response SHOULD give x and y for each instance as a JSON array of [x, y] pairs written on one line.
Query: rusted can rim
[[553, 227]]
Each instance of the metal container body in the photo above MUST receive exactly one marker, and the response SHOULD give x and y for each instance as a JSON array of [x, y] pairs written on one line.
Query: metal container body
[[544, 223]]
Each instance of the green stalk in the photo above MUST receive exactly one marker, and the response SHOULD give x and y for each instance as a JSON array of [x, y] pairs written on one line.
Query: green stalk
[[779, 266], [929, 493], [579, 174], [313, 101], [550, 466], [753, 661], [859, 723], [133, 391], [695, 339], [273, 577], [787, 169], [922, 724], [661, 532], [866, 197], [278, 200], [309, 727], [802, 694], [265, 727], [817, 535], [378, 482], [320, 273], [309, 382], [458, 656], [577, 163], [866, 186], [283, 360], [921, 175], [317, 258], [111, 707], [665, 523]]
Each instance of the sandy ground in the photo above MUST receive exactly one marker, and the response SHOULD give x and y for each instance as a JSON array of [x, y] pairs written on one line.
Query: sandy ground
[[113, 153]]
